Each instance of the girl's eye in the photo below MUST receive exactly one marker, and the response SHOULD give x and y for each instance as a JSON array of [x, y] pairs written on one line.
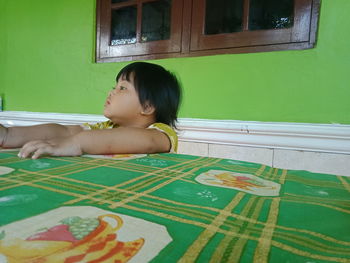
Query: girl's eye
[[122, 88]]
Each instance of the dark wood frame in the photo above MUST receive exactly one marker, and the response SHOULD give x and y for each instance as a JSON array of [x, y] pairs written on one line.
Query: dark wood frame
[[187, 38], [105, 50]]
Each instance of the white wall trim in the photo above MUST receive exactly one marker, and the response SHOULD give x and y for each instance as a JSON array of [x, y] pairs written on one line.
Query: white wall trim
[[332, 138]]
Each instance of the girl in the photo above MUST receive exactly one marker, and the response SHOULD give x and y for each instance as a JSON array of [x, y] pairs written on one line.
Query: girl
[[142, 111]]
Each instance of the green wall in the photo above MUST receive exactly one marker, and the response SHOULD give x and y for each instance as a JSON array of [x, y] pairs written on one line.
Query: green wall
[[47, 65]]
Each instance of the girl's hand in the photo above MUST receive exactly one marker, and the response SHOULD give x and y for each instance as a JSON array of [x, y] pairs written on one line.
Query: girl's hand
[[3, 134], [55, 147]]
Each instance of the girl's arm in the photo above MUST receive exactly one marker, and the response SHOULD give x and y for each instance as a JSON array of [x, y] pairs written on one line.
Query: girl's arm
[[107, 141], [14, 137]]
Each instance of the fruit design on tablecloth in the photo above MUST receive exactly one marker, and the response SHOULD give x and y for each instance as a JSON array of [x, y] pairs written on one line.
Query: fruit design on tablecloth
[[239, 181], [242, 182], [73, 239], [71, 229]]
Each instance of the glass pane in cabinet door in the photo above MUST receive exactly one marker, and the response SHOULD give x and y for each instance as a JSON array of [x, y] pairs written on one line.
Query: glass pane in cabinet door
[[223, 16], [271, 14], [123, 28], [156, 18], [118, 1]]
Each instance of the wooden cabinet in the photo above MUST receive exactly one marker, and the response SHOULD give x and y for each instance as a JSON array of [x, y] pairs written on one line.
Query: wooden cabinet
[[152, 29]]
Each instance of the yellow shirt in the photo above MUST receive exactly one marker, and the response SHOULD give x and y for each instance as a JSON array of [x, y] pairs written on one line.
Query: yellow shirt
[[166, 129]]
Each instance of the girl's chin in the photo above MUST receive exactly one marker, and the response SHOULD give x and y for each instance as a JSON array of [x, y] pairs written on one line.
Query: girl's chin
[[106, 114]]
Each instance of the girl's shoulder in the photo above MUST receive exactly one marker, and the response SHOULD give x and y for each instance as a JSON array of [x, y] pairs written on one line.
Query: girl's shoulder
[[169, 131]]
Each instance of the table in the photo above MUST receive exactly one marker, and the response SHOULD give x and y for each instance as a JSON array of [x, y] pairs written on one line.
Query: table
[[169, 208]]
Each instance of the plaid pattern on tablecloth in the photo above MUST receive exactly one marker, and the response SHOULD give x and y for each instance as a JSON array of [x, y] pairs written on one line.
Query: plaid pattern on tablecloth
[[308, 222]]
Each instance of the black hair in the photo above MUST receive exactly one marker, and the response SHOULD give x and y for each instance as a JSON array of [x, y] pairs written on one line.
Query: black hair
[[156, 86]]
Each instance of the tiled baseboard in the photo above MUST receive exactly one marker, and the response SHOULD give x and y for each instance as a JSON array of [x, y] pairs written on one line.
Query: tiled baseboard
[[318, 162]]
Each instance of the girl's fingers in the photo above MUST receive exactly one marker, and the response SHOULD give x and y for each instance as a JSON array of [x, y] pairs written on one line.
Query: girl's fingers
[[51, 147], [25, 150], [41, 151], [31, 147]]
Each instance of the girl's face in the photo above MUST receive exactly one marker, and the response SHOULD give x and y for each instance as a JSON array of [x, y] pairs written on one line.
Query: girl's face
[[122, 105]]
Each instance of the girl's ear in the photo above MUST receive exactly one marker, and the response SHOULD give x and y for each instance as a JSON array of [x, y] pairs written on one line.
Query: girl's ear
[[147, 109]]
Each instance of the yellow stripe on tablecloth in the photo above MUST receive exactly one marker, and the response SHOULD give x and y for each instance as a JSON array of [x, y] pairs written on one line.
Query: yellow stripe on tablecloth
[[73, 168], [187, 211], [158, 186], [344, 182], [315, 234], [106, 189], [326, 199], [42, 173], [307, 254], [235, 252], [299, 199], [190, 222], [237, 249], [283, 177], [314, 182], [293, 236], [193, 251], [20, 183], [271, 174], [264, 244], [312, 244], [158, 171], [128, 166], [239, 244], [11, 160]]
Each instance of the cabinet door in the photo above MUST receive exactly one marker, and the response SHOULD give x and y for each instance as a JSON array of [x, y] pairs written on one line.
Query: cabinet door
[[129, 28], [218, 24]]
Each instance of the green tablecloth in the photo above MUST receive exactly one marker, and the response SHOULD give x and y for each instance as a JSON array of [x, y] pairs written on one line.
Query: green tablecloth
[[185, 209]]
